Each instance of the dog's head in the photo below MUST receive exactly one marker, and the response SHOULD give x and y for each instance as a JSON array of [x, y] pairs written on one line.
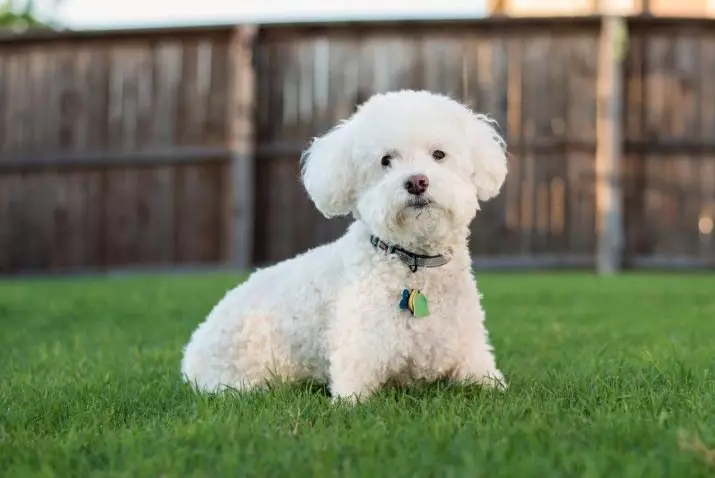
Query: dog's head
[[412, 165]]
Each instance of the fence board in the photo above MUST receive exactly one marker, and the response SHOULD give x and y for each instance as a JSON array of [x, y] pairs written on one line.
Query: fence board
[[197, 219]]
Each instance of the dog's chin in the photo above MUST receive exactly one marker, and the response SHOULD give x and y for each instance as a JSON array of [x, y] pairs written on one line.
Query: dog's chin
[[422, 224]]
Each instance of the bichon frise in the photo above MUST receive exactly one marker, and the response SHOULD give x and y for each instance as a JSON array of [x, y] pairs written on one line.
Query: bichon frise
[[394, 297]]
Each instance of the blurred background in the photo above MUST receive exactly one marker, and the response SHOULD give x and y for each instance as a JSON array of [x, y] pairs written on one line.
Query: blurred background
[[148, 134]]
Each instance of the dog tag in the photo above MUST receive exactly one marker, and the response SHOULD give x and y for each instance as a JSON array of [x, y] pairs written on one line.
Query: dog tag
[[419, 305], [414, 301]]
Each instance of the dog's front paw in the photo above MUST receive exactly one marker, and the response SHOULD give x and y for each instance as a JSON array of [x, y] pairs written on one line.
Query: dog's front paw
[[349, 395], [351, 390], [494, 380], [352, 399]]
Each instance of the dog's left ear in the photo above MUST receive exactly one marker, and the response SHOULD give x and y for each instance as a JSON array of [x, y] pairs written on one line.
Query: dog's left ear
[[327, 172], [488, 155]]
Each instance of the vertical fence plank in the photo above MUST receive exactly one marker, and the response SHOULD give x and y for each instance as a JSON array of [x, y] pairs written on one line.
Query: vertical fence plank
[[634, 180], [706, 220], [609, 196], [6, 221], [241, 104]]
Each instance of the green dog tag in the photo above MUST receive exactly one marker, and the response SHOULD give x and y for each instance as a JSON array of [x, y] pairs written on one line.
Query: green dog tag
[[420, 305]]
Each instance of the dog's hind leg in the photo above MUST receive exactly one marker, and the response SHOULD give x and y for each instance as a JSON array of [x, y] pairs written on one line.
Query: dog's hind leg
[[243, 354]]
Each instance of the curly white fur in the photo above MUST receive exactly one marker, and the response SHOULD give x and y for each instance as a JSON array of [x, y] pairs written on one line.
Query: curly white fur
[[332, 312]]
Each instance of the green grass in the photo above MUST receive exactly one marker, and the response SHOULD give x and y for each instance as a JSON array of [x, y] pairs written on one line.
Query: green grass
[[605, 376]]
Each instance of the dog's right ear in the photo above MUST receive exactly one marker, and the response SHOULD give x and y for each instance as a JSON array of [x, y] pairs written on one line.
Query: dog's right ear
[[327, 173]]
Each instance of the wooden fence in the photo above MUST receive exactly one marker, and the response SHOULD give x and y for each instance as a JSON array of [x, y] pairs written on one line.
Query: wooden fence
[[116, 150], [181, 147]]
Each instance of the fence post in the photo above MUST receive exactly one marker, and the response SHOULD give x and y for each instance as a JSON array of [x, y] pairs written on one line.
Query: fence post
[[240, 181], [609, 195]]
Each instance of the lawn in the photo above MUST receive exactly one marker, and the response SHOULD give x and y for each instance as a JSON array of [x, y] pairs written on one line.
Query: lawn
[[609, 378]]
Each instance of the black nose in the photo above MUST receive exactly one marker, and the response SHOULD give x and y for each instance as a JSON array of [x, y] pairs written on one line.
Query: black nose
[[417, 184]]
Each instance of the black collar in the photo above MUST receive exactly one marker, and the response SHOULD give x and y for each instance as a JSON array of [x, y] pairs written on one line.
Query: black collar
[[412, 260]]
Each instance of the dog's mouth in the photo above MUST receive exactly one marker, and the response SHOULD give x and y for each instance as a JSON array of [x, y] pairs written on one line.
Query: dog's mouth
[[419, 202]]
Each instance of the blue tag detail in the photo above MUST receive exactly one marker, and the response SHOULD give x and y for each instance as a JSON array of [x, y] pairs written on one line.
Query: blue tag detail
[[405, 298]]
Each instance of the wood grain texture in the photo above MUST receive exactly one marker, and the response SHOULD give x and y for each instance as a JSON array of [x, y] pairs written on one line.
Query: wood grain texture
[[97, 137], [182, 146]]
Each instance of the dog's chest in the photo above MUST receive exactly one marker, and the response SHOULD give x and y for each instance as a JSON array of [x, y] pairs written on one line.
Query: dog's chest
[[425, 342]]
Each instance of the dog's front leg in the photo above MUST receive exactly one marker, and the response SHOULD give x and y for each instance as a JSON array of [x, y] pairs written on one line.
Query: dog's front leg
[[355, 380], [364, 351], [476, 362]]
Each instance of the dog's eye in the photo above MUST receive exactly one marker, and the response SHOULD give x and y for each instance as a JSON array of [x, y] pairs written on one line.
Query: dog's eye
[[438, 154], [386, 160]]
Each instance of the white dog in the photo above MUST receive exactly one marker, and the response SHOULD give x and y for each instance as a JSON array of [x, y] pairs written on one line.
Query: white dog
[[394, 297]]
